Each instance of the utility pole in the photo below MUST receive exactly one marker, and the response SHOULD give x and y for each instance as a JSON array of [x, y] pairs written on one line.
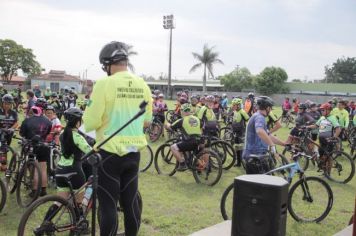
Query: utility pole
[[168, 23]]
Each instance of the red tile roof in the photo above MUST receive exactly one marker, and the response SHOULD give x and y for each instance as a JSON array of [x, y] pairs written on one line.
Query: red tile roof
[[56, 75]]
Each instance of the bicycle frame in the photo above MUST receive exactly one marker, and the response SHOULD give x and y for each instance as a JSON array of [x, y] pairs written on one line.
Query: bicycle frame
[[293, 169]]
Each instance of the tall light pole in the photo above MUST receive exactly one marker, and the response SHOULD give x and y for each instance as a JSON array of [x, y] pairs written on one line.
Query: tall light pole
[[168, 23]]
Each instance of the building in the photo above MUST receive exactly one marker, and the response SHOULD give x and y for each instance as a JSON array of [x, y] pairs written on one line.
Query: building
[[56, 80], [191, 85]]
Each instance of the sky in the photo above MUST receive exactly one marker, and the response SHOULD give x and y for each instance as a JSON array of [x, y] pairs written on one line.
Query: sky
[[301, 36]]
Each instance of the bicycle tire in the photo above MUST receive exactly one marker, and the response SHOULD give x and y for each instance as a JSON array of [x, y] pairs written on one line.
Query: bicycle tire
[[213, 163], [25, 184], [11, 173], [164, 155], [3, 195], [146, 158], [154, 136], [223, 209], [304, 184], [338, 167], [226, 152], [169, 116], [25, 229]]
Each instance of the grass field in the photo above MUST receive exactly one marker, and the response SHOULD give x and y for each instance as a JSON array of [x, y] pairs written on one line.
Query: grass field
[[178, 206]]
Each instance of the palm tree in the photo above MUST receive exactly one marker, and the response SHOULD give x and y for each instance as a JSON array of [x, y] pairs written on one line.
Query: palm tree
[[208, 59], [130, 53]]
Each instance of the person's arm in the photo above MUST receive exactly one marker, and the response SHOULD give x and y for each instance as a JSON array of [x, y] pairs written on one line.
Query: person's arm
[[347, 118], [81, 143], [16, 124], [149, 100], [94, 111]]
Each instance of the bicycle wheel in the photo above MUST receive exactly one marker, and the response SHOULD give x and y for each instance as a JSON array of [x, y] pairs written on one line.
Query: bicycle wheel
[[226, 152], [341, 168], [38, 220], [207, 168], [226, 203], [11, 174], [121, 221], [26, 191], [170, 116], [310, 199], [154, 131], [3, 195], [146, 158], [165, 162]]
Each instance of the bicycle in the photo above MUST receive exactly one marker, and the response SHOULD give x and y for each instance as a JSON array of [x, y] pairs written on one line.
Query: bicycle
[[70, 218], [287, 119], [337, 165], [3, 195], [154, 130], [54, 156], [77, 220], [146, 158], [202, 162], [22, 171], [301, 192]]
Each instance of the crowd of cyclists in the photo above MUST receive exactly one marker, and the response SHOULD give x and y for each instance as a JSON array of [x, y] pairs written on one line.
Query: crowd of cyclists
[[194, 116]]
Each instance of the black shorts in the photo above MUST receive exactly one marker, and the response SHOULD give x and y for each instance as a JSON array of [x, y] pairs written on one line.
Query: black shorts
[[161, 118], [42, 153], [77, 180], [188, 145], [325, 146]]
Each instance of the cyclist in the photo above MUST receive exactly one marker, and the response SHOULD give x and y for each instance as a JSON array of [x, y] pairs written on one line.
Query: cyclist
[[30, 103], [195, 106], [9, 121], [161, 108], [303, 118], [41, 103], [286, 107], [239, 120], [37, 91], [258, 140], [313, 112], [73, 146], [56, 104], [342, 115], [328, 126], [295, 105], [224, 101], [249, 104], [217, 108], [114, 100], [71, 99], [38, 125], [3, 91], [56, 124], [191, 130], [47, 93], [208, 118], [273, 123]]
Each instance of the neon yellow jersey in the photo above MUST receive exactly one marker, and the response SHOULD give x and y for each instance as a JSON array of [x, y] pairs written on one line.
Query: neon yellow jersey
[[342, 116], [115, 100]]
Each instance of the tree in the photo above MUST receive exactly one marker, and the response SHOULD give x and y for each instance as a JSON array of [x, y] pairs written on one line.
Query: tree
[[238, 79], [342, 71], [131, 52], [297, 81], [14, 57], [272, 80], [207, 59]]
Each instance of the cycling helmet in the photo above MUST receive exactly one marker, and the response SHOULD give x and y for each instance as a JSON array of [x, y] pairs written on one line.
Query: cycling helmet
[[202, 99], [312, 104], [303, 106], [50, 108], [54, 95], [224, 95], [157, 92], [113, 52], [7, 98], [41, 102], [294, 100], [210, 98], [263, 102], [161, 95], [184, 95], [154, 96], [343, 101], [325, 106], [36, 111], [73, 114], [179, 93], [236, 101], [251, 95], [186, 107]]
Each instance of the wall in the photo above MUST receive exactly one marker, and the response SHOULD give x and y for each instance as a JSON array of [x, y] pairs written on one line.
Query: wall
[[47, 83]]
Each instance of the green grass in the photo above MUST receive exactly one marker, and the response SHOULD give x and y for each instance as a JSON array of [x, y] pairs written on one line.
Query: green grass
[[178, 206]]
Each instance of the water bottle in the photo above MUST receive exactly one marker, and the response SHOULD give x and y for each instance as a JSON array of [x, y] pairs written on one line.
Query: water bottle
[[86, 198]]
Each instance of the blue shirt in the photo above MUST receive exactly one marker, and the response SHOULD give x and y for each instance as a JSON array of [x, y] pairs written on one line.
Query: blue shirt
[[253, 143], [224, 103]]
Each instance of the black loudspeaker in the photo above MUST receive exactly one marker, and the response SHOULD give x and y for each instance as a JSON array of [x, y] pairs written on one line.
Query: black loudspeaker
[[260, 206]]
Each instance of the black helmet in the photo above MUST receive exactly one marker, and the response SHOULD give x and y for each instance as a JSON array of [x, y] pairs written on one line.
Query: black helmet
[[112, 53], [263, 102], [7, 98], [303, 106], [41, 102], [73, 114]]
